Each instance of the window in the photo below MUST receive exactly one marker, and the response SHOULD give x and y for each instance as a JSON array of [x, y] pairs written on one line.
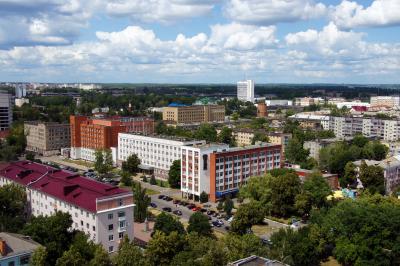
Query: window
[[122, 224], [110, 227], [120, 202], [121, 214], [87, 225], [11, 263], [94, 228], [81, 222], [110, 216], [110, 248], [121, 235], [110, 237]]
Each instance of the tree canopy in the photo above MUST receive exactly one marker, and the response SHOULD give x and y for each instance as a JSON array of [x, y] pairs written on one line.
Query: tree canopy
[[174, 174]]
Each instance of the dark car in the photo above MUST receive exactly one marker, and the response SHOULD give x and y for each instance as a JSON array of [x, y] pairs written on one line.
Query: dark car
[[215, 214], [167, 198], [161, 196], [209, 212], [190, 206], [153, 205], [216, 224], [203, 210], [167, 209], [176, 201], [177, 212]]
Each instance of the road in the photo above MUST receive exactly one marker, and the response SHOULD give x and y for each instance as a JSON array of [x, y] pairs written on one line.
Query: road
[[186, 213]]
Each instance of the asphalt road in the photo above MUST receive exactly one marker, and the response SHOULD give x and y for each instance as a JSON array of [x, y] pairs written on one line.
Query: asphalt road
[[186, 213]]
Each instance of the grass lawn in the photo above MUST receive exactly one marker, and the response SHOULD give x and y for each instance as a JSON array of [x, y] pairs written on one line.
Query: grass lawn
[[260, 230], [330, 262], [150, 191], [79, 162], [279, 220], [219, 234]]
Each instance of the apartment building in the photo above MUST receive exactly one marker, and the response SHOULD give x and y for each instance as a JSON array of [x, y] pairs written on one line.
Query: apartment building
[[394, 147], [386, 101], [16, 249], [193, 114], [244, 137], [89, 134], [316, 121], [307, 101], [315, 146], [46, 138], [103, 212], [245, 90], [5, 111], [156, 152], [219, 170]]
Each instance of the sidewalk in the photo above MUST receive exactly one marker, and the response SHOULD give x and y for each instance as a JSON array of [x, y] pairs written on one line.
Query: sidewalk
[[58, 160]]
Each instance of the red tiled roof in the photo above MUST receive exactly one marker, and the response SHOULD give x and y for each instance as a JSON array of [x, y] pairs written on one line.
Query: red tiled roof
[[63, 185]]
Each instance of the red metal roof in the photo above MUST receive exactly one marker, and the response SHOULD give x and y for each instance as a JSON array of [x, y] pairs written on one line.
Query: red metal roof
[[60, 184]]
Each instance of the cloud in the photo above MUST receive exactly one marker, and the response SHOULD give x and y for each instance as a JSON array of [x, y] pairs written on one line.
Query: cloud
[[267, 12], [164, 11], [350, 14]]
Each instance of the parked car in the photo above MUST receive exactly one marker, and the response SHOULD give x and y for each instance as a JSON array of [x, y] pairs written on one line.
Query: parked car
[[153, 205], [176, 201], [216, 224], [210, 212], [167, 209], [215, 214], [161, 196], [195, 209], [190, 206], [220, 222], [177, 212], [203, 210], [230, 219], [183, 203], [167, 198]]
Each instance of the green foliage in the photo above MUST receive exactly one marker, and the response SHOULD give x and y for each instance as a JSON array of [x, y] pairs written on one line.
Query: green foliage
[[153, 180], [30, 156], [372, 178], [126, 179], [206, 132], [12, 208], [162, 247], [53, 232], [174, 174], [100, 257], [239, 247], [15, 143], [259, 136], [103, 161], [295, 153], [243, 109], [129, 255], [228, 206], [203, 197], [247, 215], [167, 224], [142, 201], [131, 165], [198, 222], [284, 190], [258, 123], [281, 171], [350, 175], [220, 205], [225, 136], [71, 258], [38, 257], [257, 188]]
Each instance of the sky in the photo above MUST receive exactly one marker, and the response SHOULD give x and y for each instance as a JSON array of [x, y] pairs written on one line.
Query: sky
[[200, 41]]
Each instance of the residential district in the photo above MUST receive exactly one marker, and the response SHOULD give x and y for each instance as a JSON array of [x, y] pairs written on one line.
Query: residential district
[[223, 175]]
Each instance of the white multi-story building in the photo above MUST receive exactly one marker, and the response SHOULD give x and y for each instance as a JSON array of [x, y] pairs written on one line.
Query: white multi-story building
[[158, 152], [387, 101], [20, 90], [5, 111], [103, 212], [245, 90]]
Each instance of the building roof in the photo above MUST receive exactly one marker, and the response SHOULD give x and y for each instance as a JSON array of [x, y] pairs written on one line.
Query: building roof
[[256, 261], [163, 137], [65, 186], [17, 244], [250, 147], [393, 161]]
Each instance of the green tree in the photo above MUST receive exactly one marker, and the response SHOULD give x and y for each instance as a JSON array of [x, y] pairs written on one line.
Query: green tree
[[12, 208], [206, 132], [235, 116], [220, 205], [257, 188], [248, 214], [108, 161], [203, 197], [228, 206], [350, 175], [372, 178], [99, 161], [167, 224], [174, 174], [225, 136], [284, 190], [153, 180], [198, 222], [100, 257], [126, 179], [239, 247], [53, 232], [295, 153], [129, 255], [71, 258], [359, 140], [259, 136], [38, 257], [131, 165], [142, 201], [30, 156], [162, 248], [318, 189]]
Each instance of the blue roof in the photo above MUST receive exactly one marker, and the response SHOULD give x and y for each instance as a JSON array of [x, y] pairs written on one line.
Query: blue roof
[[177, 105]]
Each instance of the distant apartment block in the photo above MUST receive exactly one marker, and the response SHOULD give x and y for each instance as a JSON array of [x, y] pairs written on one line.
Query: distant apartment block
[[219, 170], [5, 111], [16, 249], [46, 138], [245, 90], [244, 137], [89, 134], [385, 101], [103, 212], [181, 114], [307, 101], [155, 152]]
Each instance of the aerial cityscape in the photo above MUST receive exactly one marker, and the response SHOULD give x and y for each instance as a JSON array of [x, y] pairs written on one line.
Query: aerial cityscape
[[213, 132]]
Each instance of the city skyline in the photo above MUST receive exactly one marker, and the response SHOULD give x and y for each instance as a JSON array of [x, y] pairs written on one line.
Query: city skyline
[[215, 41]]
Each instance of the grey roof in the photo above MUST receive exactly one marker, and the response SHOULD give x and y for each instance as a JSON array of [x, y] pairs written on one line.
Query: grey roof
[[256, 261], [17, 244]]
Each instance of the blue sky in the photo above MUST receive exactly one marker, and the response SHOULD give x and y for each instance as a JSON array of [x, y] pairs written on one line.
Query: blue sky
[[200, 41]]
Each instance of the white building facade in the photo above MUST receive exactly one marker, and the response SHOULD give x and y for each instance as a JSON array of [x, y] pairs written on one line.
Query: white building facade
[[5, 110], [245, 90], [158, 152]]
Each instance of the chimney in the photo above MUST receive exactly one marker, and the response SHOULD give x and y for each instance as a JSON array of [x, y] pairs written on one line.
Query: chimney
[[3, 247]]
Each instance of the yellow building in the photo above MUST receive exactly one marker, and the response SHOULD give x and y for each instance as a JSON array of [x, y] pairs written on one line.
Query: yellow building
[[194, 114]]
